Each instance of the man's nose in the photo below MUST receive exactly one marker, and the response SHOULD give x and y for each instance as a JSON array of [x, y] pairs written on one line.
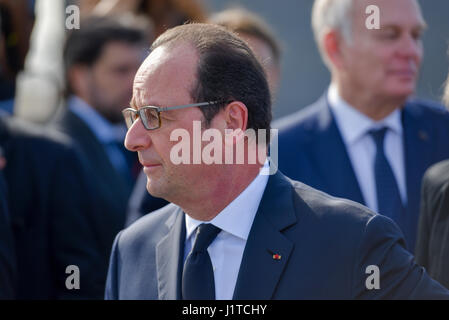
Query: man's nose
[[411, 47], [137, 138]]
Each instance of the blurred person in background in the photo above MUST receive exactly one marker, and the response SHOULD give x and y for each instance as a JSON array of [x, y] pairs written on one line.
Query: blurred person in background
[[260, 37], [365, 139], [101, 60], [432, 247], [165, 14], [16, 22], [7, 255], [53, 211]]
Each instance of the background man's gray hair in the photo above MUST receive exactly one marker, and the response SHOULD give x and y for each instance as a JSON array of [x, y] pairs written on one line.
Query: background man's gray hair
[[331, 15]]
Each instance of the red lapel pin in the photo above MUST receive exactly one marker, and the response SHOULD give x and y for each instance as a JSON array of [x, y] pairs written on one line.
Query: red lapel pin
[[276, 256]]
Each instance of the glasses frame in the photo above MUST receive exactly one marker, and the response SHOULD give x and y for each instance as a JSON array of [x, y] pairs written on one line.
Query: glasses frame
[[140, 111]]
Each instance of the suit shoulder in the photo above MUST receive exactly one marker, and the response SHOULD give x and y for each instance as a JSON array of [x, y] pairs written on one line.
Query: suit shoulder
[[436, 177], [21, 131], [325, 206], [343, 223], [151, 226], [427, 108]]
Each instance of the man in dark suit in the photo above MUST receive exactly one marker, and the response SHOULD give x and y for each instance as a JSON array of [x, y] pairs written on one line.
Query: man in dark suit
[[363, 140], [233, 231], [432, 250], [101, 59], [53, 213], [7, 255]]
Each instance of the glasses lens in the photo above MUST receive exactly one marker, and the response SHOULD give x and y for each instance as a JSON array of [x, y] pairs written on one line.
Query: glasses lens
[[130, 117], [151, 117]]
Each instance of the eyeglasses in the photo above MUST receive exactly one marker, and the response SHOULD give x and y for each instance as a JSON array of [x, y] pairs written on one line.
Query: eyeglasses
[[150, 115]]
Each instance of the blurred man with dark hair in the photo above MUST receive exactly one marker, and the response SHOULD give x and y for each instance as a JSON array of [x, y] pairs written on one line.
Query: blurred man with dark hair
[[101, 59]]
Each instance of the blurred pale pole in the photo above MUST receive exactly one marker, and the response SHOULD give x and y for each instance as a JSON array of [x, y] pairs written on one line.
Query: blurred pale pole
[[39, 86]]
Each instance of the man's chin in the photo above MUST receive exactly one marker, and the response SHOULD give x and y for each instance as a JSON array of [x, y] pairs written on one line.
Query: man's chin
[[401, 94], [155, 190]]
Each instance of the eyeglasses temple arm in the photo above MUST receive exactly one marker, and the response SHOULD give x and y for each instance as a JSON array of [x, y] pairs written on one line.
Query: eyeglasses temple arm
[[202, 104]]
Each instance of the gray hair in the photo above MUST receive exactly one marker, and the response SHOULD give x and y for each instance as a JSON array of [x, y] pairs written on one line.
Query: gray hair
[[331, 15]]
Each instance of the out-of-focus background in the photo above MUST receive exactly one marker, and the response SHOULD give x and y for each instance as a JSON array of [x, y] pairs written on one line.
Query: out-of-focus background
[[303, 77]]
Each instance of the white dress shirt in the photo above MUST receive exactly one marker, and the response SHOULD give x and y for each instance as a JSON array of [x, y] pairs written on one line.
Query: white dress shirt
[[354, 127], [106, 133], [226, 250]]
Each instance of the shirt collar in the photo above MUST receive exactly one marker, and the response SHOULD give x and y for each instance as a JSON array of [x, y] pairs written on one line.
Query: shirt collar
[[105, 131], [353, 124], [238, 216]]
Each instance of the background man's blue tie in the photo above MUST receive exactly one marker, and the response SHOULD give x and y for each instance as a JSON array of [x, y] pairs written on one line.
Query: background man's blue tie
[[388, 197], [198, 274]]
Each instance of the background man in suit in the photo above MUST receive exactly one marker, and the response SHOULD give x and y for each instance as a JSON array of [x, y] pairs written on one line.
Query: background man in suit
[[7, 256], [101, 59], [53, 213], [432, 249], [231, 231], [363, 140]]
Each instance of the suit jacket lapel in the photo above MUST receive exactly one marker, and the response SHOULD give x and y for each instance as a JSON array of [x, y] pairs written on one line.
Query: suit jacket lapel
[[260, 269], [417, 156], [332, 159], [170, 258]]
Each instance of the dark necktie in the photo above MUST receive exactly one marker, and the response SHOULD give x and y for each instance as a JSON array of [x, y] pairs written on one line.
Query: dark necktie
[[388, 196], [198, 275]]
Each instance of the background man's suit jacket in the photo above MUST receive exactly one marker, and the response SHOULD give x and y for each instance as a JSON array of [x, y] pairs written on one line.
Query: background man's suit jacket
[[52, 209], [311, 150], [7, 254], [111, 190], [432, 247], [325, 244]]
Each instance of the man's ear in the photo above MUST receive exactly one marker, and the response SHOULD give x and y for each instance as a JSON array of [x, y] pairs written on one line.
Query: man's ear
[[332, 44], [236, 116], [78, 78]]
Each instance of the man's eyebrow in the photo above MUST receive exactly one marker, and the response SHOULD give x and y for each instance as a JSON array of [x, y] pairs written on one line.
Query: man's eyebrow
[[420, 27], [132, 104]]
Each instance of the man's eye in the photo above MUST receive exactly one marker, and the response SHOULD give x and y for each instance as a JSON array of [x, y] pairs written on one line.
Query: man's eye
[[417, 35]]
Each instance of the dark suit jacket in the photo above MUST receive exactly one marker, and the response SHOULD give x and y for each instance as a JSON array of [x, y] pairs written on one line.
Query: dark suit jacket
[[325, 244], [111, 190], [311, 150], [51, 212], [432, 247], [7, 254]]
